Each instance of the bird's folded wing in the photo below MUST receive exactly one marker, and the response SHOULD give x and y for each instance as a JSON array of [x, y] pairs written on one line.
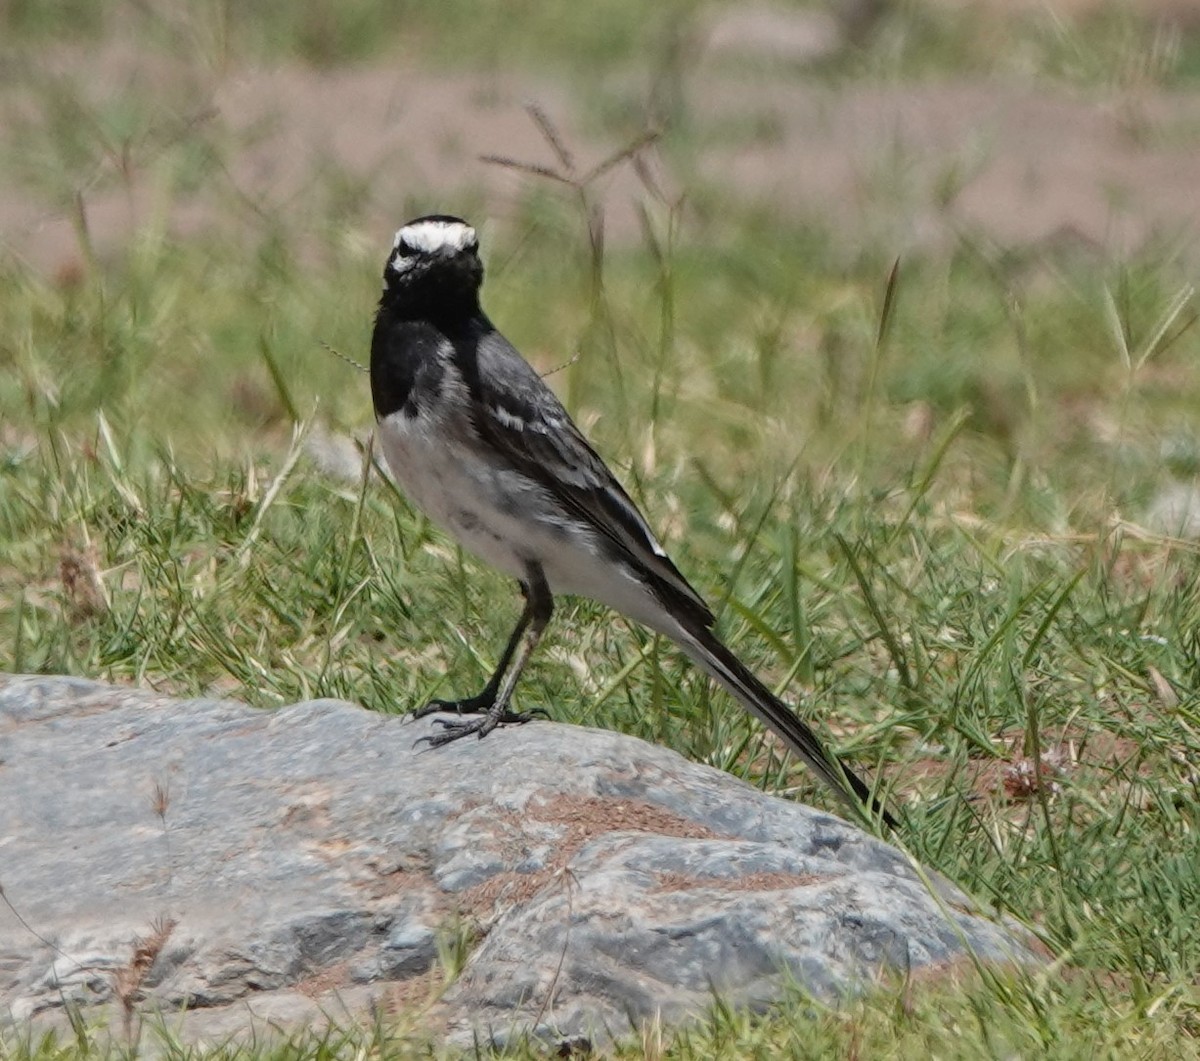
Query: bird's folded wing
[[521, 419]]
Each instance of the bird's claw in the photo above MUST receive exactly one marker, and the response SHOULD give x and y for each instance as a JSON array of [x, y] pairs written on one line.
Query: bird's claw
[[454, 729]]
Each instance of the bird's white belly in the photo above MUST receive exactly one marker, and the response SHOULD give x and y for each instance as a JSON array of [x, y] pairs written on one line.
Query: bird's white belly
[[506, 519], [459, 492]]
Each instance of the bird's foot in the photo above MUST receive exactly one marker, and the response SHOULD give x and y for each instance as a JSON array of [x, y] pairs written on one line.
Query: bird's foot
[[478, 704], [488, 720]]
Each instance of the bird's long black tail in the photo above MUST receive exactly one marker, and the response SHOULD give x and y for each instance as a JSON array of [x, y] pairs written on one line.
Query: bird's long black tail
[[704, 647]]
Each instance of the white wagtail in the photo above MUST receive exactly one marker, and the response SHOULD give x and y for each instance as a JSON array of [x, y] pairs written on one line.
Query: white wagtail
[[483, 446]]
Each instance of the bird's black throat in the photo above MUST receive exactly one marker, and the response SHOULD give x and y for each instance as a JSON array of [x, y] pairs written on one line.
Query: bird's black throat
[[443, 292], [420, 314], [432, 304]]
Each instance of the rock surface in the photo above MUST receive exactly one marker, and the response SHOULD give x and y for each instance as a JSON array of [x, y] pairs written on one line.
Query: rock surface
[[308, 860]]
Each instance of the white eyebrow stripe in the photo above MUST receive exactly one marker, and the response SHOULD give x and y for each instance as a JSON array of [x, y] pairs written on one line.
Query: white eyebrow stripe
[[431, 236]]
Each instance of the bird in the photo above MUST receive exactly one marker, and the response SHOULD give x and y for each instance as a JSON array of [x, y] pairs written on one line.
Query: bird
[[477, 441]]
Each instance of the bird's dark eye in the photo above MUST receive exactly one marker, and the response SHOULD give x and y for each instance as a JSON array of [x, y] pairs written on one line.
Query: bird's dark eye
[[406, 249]]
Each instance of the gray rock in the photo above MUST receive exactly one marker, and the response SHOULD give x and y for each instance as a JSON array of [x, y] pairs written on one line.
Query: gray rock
[[303, 861]]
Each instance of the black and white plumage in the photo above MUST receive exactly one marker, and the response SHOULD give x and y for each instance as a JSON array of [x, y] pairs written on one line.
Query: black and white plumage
[[486, 450]]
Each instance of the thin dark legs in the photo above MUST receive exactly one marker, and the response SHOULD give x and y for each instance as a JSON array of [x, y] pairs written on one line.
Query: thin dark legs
[[491, 703]]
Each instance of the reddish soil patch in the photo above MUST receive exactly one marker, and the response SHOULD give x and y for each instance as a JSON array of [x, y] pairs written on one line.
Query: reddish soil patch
[[752, 882], [584, 817], [1089, 759], [588, 816]]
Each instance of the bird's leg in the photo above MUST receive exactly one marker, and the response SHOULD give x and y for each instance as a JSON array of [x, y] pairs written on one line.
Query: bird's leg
[[492, 702], [483, 700]]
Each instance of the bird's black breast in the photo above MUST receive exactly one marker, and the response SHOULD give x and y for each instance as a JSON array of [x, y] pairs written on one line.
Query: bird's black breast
[[406, 365]]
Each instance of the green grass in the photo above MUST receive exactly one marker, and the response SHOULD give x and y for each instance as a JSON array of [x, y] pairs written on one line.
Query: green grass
[[927, 523], [1053, 1016]]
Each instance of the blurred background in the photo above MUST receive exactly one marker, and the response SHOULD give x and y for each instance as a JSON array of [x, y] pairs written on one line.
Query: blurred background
[[1034, 166]]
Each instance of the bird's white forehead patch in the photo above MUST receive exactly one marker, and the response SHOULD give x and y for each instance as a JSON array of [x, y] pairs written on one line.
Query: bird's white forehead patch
[[428, 237]]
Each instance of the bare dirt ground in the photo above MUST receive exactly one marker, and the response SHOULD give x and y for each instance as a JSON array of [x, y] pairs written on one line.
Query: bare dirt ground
[[906, 164], [1018, 165]]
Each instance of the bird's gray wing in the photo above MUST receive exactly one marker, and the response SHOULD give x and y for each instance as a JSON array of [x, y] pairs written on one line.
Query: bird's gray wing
[[521, 419]]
